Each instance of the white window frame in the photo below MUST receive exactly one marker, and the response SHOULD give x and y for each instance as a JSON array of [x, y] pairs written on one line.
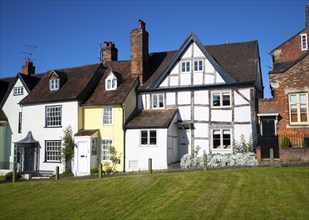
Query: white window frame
[[53, 116], [221, 93], [148, 138], [18, 90], [187, 66], [111, 82], [106, 144], [53, 151], [107, 116], [54, 84], [94, 146], [198, 65], [221, 133], [156, 98], [303, 42], [298, 104]]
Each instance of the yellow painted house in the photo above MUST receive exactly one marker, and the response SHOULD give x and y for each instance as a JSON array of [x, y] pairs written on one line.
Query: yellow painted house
[[103, 116]]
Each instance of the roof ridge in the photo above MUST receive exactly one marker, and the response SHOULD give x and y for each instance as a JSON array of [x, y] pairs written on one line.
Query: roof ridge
[[212, 45], [74, 67]]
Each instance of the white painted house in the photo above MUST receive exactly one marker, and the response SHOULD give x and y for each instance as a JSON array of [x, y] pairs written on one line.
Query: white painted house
[[215, 90], [52, 106], [11, 128]]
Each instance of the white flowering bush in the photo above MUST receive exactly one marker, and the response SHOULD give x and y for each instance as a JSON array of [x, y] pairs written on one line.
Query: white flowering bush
[[192, 161], [229, 160], [242, 146], [242, 155]]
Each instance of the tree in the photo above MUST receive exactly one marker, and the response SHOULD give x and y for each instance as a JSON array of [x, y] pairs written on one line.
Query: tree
[[68, 148]]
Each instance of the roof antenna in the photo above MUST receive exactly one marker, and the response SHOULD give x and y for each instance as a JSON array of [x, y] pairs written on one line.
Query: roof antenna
[[29, 51], [100, 49]]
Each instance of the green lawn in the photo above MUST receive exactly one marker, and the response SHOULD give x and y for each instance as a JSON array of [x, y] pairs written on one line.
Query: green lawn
[[253, 193]]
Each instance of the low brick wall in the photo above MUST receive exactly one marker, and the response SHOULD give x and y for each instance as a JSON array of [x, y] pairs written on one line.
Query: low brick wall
[[292, 154]]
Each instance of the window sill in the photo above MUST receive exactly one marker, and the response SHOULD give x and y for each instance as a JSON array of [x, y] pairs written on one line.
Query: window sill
[[220, 149], [298, 126], [53, 127], [149, 145], [52, 162], [221, 107]]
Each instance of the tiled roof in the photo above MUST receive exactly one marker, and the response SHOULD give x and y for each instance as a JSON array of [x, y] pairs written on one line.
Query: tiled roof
[[31, 80], [101, 96], [5, 84], [86, 132], [240, 60], [78, 85], [152, 119], [284, 66]]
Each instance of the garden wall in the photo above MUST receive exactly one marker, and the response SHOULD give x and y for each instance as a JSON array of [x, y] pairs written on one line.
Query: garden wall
[[292, 154]]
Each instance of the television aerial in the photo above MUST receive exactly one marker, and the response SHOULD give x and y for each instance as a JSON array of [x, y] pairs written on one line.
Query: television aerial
[[29, 51], [100, 48]]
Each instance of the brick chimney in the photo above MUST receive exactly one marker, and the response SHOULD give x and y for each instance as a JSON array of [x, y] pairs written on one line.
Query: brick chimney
[[109, 52], [139, 52], [28, 68]]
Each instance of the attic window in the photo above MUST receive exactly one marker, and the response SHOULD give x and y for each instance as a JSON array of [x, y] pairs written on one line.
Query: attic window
[[185, 66], [54, 84], [304, 43], [111, 82], [18, 90]]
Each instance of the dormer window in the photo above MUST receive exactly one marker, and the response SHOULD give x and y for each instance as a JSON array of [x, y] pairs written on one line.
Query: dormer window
[[55, 78], [304, 43], [111, 82], [54, 84]]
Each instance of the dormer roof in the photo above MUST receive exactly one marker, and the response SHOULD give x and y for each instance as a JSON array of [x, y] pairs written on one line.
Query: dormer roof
[[122, 70]]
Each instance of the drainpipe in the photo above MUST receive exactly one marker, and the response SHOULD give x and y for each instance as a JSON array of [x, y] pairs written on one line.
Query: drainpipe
[[124, 137]]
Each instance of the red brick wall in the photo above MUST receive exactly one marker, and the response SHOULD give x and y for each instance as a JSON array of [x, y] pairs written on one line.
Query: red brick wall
[[290, 154], [267, 105], [295, 79], [291, 49]]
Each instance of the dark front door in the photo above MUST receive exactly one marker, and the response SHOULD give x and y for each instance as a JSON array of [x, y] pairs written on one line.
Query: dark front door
[[269, 138], [29, 159]]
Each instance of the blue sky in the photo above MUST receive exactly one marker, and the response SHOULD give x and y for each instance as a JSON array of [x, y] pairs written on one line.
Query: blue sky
[[62, 29]]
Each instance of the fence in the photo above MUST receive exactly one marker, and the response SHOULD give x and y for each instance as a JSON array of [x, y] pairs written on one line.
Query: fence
[[295, 139]]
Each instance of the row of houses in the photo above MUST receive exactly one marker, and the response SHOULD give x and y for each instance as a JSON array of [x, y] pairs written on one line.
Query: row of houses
[[156, 105]]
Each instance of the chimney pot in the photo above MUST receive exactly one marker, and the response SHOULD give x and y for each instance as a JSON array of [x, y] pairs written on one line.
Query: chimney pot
[[142, 24]]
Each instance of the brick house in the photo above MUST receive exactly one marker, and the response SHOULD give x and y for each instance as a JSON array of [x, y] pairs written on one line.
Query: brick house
[[286, 114]]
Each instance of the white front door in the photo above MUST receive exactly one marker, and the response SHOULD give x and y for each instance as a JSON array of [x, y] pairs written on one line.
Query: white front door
[[183, 142], [82, 158]]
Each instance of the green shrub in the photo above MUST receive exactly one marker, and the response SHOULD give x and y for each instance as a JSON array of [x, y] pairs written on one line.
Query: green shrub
[[94, 170], [66, 174], [304, 143], [285, 142], [9, 176]]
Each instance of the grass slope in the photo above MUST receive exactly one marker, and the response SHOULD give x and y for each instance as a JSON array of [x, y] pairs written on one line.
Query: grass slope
[[256, 193]]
